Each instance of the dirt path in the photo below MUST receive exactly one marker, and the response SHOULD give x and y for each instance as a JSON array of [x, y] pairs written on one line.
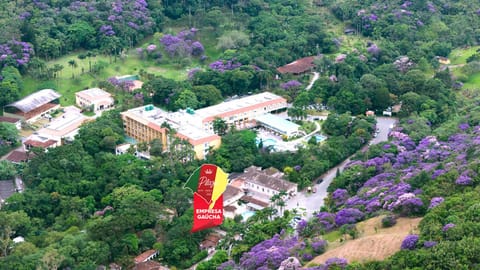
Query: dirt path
[[373, 244]]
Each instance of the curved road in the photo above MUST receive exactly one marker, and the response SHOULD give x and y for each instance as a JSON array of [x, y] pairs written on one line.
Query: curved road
[[308, 203]]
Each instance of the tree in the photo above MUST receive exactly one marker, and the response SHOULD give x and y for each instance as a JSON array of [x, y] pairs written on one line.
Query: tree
[[207, 95], [186, 99], [220, 126], [10, 86], [7, 170], [233, 40], [9, 133], [279, 200], [73, 64], [156, 148]]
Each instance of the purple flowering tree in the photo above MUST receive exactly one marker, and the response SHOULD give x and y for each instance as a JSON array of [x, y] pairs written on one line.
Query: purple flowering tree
[[338, 263], [224, 65], [339, 196], [183, 44], [319, 246], [290, 85], [15, 53], [197, 48], [326, 221], [348, 216], [268, 254], [410, 242], [435, 201]]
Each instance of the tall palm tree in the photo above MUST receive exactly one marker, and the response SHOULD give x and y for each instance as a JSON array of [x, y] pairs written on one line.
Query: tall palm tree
[[72, 63]]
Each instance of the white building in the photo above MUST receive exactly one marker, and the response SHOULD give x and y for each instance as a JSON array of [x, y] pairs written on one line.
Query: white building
[[96, 97]]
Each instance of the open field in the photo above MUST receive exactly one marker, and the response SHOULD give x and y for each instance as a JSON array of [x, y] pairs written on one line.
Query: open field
[[73, 78], [372, 244]]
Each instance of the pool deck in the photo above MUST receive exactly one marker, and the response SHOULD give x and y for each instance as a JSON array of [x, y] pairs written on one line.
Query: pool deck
[[289, 145]]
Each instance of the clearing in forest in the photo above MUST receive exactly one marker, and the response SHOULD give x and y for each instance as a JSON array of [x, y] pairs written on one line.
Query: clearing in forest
[[372, 244]]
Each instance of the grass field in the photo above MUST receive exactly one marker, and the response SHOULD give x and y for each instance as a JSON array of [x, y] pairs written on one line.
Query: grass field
[[473, 82]]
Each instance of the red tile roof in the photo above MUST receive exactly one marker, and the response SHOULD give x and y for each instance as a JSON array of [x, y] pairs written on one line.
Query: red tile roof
[[210, 240], [17, 156], [44, 144], [149, 265], [145, 255], [250, 199], [9, 119], [298, 66]]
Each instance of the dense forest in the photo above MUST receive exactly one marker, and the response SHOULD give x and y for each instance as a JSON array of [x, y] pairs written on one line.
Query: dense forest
[[84, 206]]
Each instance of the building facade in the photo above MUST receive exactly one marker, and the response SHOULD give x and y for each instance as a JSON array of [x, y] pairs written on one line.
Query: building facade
[[147, 123], [96, 98]]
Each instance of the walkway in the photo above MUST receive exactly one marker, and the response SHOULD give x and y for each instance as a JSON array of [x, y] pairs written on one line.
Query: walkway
[[316, 75]]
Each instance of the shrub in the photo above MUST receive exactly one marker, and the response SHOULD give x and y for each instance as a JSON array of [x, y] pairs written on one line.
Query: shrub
[[410, 242], [389, 221]]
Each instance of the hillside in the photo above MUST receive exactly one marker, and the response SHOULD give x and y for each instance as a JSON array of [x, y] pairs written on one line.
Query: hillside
[[373, 242]]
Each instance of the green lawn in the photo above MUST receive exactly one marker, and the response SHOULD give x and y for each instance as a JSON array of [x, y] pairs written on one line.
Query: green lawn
[[473, 82], [332, 236], [460, 55]]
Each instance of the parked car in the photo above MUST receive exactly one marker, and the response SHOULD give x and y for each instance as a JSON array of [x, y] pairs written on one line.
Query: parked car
[[319, 180], [309, 189], [314, 190]]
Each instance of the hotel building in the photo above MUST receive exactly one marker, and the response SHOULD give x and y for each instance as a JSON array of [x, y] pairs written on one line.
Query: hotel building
[[147, 122]]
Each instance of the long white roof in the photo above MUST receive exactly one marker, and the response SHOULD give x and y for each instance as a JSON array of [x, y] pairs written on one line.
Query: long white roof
[[35, 100]]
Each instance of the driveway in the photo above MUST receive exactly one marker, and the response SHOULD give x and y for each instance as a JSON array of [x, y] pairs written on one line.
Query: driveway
[[308, 203]]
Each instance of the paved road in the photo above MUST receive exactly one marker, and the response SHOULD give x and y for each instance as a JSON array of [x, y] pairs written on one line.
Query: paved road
[[308, 203]]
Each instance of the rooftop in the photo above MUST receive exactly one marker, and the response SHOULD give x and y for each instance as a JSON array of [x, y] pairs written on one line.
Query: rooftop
[[18, 156], [35, 100], [238, 104], [149, 265], [252, 200], [39, 141], [231, 191], [255, 175], [12, 120], [145, 256], [298, 66], [278, 123], [64, 124], [186, 125], [210, 240], [93, 93]]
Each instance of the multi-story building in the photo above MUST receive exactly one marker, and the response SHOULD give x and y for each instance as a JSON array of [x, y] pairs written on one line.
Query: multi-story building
[[147, 123], [241, 112]]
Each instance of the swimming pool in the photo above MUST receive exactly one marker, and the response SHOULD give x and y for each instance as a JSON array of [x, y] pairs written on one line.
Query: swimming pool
[[267, 142], [320, 138], [247, 214]]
